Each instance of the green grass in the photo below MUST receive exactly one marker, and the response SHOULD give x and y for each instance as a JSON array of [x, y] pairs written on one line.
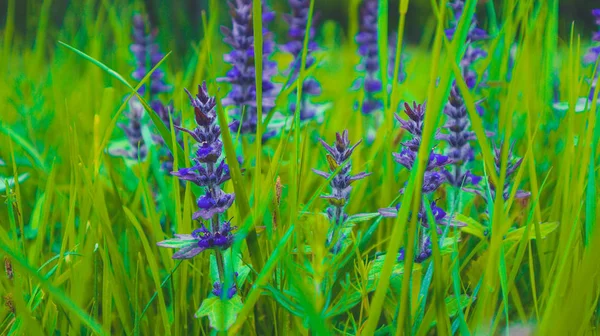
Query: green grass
[[79, 227]]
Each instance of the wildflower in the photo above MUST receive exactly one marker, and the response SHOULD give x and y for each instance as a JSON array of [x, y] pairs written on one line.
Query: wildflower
[[338, 157], [297, 22], [218, 288], [458, 124], [392, 44], [593, 54], [209, 171], [512, 165], [368, 50], [458, 138], [242, 74], [133, 132], [472, 53], [434, 176], [147, 55]]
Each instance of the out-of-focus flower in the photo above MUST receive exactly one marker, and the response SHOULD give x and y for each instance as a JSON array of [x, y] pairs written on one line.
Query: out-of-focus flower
[[473, 53], [369, 51], [297, 22], [241, 76], [513, 163], [133, 131], [147, 55], [593, 54]]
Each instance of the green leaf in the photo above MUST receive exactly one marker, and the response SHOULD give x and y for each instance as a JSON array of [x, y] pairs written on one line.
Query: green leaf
[[358, 218], [27, 147], [473, 227], [177, 243], [221, 314], [453, 306], [545, 229]]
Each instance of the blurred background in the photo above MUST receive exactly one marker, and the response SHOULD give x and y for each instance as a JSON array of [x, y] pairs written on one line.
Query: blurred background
[[180, 20]]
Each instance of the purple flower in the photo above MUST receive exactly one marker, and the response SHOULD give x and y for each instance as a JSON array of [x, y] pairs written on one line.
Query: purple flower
[[423, 252], [472, 53], [241, 76], [392, 42], [593, 53], [369, 51], [338, 157], [297, 22], [147, 55], [133, 132], [434, 175], [458, 137], [218, 289], [209, 171], [513, 163]]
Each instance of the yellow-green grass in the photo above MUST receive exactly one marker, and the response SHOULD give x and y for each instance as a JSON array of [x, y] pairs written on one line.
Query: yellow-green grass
[[79, 227]]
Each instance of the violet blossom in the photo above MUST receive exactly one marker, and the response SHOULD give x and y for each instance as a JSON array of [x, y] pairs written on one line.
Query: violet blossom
[[338, 157], [369, 51], [240, 37], [209, 171], [593, 54], [297, 22], [434, 176]]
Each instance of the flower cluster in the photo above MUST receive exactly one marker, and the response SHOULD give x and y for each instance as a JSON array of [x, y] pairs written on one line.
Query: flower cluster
[[392, 44], [147, 55], [209, 171], [297, 22], [472, 53], [458, 124], [133, 132], [218, 288], [338, 157], [434, 175], [593, 53], [458, 138], [512, 165], [369, 50], [242, 74]]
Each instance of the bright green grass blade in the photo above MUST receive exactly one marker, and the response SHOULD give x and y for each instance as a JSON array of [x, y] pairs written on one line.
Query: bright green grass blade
[[160, 126], [55, 292]]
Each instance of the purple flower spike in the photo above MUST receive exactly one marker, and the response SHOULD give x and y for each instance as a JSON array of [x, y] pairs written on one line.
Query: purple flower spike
[[512, 166], [210, 171], [593, 54], [297, 22], [369, 51], [472, 53], [338, 157], [240, 37], [133, 132], [458, 137], [147, 55], [434, 176]]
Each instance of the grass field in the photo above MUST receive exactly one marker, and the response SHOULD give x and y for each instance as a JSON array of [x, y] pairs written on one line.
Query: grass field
[[87, 207]]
